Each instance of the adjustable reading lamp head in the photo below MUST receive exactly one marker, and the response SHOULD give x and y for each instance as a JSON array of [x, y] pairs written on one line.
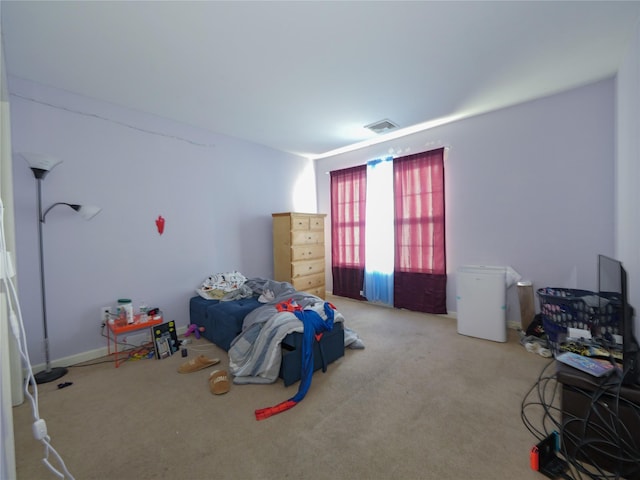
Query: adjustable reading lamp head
[[86, 211]]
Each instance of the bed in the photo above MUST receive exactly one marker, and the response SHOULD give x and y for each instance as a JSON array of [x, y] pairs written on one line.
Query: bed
[[264, 341]]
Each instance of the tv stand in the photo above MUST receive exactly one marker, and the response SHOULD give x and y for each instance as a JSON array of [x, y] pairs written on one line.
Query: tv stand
[[600, 422]]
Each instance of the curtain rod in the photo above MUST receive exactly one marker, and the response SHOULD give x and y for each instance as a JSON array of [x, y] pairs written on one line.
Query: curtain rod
[[391, 155]]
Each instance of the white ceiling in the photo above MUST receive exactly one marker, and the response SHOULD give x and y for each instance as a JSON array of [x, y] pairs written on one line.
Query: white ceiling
[[305, 77]]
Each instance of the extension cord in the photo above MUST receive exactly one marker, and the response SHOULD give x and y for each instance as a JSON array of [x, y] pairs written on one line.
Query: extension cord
[[15, 326], [39, 429]]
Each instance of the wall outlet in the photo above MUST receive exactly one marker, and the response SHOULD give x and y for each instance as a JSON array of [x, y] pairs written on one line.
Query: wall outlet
[[105, 312]]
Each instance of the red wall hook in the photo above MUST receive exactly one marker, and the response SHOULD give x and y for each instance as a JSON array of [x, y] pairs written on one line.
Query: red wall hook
[[160, 224]]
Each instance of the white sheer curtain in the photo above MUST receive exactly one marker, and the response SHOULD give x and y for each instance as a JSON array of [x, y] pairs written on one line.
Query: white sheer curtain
[[379, 246]]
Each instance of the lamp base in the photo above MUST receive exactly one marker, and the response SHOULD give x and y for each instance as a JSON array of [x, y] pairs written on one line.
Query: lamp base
[[50, 376]]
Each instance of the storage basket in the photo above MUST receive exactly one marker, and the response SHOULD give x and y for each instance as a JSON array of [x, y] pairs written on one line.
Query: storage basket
[[564, 308], [608, 320]]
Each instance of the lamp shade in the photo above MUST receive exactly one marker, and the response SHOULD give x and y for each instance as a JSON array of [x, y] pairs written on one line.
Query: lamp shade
[[40, 163], [88, 211]]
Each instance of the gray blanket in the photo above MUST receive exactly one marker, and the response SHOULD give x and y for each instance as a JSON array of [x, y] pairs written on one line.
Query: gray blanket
[[254, 355]]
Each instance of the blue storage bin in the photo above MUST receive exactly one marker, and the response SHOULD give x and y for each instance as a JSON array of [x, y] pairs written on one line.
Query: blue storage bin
[[330, 348]]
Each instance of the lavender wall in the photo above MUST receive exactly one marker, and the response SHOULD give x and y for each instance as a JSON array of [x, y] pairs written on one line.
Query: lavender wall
[[531, 186], [215, 192]]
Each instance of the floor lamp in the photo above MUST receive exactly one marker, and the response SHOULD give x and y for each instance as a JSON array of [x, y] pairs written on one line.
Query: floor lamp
[[41, 165]]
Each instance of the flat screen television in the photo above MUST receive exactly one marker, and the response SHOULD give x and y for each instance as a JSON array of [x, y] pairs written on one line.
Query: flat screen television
[[612, 289]]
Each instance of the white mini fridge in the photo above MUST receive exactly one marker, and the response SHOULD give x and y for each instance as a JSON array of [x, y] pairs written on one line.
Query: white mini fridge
[[482, 302]]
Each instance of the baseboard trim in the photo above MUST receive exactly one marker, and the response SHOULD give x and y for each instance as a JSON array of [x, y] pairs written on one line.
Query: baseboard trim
[[512, 324], [82, 357], [74, 359]]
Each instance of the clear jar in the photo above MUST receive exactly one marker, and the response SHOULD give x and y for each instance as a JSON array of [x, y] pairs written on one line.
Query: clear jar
[[125, 310]]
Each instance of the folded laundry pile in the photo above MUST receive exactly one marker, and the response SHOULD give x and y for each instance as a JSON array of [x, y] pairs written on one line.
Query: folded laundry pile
[[225, 287]]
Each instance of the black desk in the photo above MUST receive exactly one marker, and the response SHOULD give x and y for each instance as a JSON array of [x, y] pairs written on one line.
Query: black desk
[[600, 422]]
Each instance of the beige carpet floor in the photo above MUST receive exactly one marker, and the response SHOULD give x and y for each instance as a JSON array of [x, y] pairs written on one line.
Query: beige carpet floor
[[419, 402]]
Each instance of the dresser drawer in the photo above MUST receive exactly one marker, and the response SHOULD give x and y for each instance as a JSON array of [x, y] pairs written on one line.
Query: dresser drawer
[[299, 222], [316, 222], [307, 252], [305, 283], [317, 291], [311, 267], [307, 237]]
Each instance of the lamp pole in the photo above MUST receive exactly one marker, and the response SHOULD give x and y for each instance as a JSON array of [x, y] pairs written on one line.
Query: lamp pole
[[49, 374]]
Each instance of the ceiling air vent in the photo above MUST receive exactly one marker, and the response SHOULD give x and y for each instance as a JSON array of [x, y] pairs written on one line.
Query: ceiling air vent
[[382, 126]]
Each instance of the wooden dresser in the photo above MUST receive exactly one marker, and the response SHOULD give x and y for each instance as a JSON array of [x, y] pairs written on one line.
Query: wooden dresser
[[298, 251]]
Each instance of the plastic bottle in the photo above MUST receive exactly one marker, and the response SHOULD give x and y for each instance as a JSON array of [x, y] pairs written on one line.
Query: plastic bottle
[[143, 312]]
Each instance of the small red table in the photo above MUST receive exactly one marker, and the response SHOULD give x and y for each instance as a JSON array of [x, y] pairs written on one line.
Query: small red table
[[115, 329]]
